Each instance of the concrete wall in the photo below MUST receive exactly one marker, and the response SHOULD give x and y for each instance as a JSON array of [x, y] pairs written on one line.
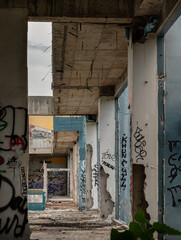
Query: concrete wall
[[144, 110], [42, 121], [106, 119], [40, 105], [92, 169], [40, 140], [56, 180], [14, 124]]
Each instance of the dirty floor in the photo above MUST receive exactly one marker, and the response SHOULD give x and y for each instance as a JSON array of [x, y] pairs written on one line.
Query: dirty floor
[[63, 221]]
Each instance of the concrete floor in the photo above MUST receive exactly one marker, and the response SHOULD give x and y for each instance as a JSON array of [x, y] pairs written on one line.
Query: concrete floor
[[63, 221]]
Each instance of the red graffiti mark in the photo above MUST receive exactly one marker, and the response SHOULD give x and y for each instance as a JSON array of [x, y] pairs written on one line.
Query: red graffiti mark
[[1, 160], [2, 112], [31, 127], [18, 141]]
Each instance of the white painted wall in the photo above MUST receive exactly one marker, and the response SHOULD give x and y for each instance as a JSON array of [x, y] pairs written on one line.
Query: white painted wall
[[13, 102], [106, 119], [91, 138], [145, 118]]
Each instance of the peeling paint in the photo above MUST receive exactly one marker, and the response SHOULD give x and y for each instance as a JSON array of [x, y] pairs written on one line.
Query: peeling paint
[[106, 202], [139, 189], [89, 198]]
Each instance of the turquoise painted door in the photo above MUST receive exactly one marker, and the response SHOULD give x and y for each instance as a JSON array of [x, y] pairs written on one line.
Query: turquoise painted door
[[172, 126], [124, 157]]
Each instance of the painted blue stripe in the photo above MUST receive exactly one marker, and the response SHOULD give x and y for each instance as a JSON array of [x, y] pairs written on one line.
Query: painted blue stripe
[[116, 160], [161, 117], [98, 164], [124, 119]]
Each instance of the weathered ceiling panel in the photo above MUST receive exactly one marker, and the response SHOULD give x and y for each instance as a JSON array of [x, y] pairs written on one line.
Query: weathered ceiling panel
[[64, 141], [85, 58]]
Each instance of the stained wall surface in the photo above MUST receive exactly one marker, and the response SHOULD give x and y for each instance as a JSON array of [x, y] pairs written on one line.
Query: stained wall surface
[[106, 119], [172, 181], [91, 139], [145, 118], [14, 124]]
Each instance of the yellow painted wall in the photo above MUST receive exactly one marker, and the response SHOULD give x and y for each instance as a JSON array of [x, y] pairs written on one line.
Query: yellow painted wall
[[52, 159], [42, 121]]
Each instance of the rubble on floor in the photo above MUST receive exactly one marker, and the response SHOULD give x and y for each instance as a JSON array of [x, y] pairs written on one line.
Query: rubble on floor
[[64, 221]]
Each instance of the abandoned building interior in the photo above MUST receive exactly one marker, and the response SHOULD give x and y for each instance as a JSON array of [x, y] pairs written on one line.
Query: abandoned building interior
[[108, 142]]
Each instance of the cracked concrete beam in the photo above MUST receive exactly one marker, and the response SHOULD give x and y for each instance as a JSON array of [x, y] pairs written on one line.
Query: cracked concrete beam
[[106, 91], [148, 7], [79, 8]]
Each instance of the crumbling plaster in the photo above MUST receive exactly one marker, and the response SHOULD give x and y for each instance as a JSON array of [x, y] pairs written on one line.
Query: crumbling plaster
[[144, 110]]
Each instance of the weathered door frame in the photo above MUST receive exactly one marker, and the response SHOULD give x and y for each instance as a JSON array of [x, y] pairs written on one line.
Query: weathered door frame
[[118, 130], [161, 110]]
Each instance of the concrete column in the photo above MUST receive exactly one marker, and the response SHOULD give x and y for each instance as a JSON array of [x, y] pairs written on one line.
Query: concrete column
[[142, 69], [71, 174], [45, 180], [92, 168], [106, 119], [75, 173], [14, 125]]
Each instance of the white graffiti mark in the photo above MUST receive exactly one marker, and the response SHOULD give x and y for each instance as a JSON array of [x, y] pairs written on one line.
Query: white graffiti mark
[[83, 180]]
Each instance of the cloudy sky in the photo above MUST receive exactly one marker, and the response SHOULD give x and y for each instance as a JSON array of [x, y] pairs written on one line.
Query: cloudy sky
[[39, 59]]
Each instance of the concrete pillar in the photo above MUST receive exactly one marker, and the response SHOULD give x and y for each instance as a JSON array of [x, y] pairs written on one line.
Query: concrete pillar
[[106, 119], [71, 173], [45, 180], [75, 173], [14, 125], [143, 97], [92, 167]]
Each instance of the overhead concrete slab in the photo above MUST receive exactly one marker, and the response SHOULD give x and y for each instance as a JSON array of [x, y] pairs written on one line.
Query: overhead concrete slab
[[85, 58]]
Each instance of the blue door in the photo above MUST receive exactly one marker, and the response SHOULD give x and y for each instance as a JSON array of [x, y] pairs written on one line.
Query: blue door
[[124, 157], [172, 151]]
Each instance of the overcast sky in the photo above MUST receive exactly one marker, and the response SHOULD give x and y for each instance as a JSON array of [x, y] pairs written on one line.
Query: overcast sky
[[39, 59]]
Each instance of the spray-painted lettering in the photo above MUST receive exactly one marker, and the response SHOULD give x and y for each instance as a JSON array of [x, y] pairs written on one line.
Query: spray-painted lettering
[[139, 144], [123, 162], [96, 175], [108, 156], [174, 162], [16, 204], [82, 180], [13, 136], [175, 194]]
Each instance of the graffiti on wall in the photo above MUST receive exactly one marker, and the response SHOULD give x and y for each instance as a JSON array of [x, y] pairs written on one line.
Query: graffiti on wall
[[124, 161], [13, 143], [40, 133], [36, 179], [82, 180], [96, 175], [174, 164], [107, 158], [140, 143], [14, 135], [57, 183], [17, 204]]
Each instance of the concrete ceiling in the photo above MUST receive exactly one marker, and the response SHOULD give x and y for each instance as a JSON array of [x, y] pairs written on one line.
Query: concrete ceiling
[[86, 57], [64, 141]]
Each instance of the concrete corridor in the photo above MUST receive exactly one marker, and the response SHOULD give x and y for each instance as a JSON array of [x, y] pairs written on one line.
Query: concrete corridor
[[63, 221]]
